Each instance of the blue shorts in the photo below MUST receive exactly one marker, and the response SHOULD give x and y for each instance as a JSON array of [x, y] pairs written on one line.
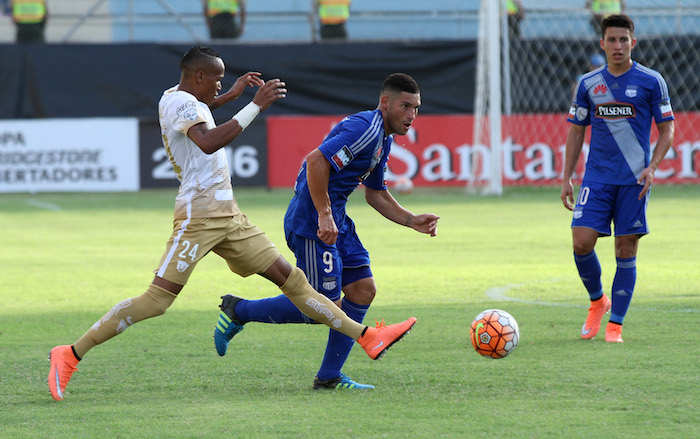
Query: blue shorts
[[599, 204], [330, 267]]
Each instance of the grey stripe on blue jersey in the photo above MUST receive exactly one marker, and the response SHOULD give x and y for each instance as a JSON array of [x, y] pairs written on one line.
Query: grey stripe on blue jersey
[[656, 75], [311, 263], [620, 129], [362, 142]]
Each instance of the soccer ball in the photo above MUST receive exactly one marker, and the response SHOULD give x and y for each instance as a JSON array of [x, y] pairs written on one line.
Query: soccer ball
[[403, 185], [494, 333]]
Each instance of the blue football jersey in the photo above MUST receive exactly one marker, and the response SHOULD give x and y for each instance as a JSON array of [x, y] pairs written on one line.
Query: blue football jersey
[[619, 110], [357, 150]]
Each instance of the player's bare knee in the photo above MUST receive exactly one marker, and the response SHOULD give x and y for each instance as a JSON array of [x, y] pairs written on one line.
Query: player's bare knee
[[278, 272], [366, 296], [582, 244], [368, 292], [362, 291], [582, 248], [626, 246]]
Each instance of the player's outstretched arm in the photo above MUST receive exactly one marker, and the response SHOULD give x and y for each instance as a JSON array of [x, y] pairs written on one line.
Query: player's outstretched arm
[[385, 203], [250, 79], [211, 140], [666, 132]]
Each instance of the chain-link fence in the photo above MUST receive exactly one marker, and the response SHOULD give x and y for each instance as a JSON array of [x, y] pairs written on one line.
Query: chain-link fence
[[544, 68], [553, 45]]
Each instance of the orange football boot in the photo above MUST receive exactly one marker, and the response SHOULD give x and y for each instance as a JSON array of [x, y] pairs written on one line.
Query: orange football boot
[[596, 312], [376, 341], [613, 333], [63, 364]]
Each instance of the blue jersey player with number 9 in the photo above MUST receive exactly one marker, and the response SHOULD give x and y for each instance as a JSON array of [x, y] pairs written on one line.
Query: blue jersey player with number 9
[[618, 101], [321, 234]]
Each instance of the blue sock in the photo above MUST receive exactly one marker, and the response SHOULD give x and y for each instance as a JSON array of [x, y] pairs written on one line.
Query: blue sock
[[339, 345], [589, 270], [623, 288], [278, 309]]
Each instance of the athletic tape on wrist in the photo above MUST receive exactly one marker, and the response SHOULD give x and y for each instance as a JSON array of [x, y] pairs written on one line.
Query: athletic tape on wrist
[[247, 114]]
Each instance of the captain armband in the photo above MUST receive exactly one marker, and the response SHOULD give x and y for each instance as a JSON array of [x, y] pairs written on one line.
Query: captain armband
[[247, 114]]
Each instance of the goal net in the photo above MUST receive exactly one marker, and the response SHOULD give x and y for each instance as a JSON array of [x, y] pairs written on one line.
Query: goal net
[[527, 71]]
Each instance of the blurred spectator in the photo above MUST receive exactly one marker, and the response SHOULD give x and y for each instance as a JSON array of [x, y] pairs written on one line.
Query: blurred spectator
[[29, 17], [5, 8], [516, 13], [225, 18], [597, 60], [601, 9], [333, 14]]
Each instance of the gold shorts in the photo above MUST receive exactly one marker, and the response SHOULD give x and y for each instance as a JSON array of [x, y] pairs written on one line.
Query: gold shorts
[[246, 249]]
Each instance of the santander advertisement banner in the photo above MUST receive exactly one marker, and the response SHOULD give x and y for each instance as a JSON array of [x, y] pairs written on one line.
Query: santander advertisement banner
[[439, 150]]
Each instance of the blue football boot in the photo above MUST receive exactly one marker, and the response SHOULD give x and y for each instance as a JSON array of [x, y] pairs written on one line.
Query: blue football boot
[[228, 324], [342, 382]]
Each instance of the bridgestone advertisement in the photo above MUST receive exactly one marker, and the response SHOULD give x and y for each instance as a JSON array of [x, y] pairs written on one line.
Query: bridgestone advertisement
[[69, 155]]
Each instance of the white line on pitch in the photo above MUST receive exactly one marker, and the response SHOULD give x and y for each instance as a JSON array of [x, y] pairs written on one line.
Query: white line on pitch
[[42, 205], [499, 293]]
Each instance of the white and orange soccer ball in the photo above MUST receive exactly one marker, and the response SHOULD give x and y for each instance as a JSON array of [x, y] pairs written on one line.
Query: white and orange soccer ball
[[494, 333], [403, 185]]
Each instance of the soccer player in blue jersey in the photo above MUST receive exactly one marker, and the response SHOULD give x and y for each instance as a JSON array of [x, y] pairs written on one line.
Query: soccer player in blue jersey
[[321, 234], [619, 101]]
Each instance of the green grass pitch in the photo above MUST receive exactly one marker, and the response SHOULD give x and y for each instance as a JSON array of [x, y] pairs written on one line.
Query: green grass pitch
[[66, 259]]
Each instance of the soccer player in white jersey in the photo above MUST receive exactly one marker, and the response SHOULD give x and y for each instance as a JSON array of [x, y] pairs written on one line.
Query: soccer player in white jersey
[[207, 218], [619, 101], [323, 236]]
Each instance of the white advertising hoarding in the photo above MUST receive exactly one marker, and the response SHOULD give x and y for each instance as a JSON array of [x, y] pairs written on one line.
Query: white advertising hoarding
[[69, 155]]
